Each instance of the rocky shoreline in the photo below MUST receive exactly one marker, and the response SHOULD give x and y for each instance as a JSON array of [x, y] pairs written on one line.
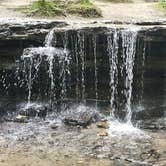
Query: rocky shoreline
[[54, 142]]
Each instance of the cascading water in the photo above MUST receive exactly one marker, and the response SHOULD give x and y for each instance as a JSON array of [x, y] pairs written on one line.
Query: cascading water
[[121, 61], [57, 73], [96, 68], [34, 58], [81, 41], [112, 49], [121, 70], [129, 39]]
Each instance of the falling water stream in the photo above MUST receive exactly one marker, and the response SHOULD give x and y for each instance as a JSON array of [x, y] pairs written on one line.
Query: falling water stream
[[121, 50], [33, 59], [121, 121]]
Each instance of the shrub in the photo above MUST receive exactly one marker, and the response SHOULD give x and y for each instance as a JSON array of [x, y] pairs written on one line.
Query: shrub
[[58, 7], [162, 4], [84, 8], [44, 8]]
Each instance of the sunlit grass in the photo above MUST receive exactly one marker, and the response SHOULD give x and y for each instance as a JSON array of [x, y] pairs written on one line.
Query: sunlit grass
[[48, 8]]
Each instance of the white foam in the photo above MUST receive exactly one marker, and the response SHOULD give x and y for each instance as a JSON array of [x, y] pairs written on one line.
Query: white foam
[[120, 129]]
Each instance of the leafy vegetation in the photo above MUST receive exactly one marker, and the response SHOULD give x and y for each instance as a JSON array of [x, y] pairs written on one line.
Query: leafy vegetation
[[162, 4], [44, 8], [83, 8], [53, 8], [118, 1]]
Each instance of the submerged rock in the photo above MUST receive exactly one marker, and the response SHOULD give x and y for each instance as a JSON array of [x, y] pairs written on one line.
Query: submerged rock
[[34, 110], [80, 116], [103, 133], [21, 119], [102, 125]]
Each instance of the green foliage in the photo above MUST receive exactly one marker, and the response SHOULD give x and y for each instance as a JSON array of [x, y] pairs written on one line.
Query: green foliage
[[58, 7], [118, 1], [162, 4], [44, 8], [83, 8], [84, 2]]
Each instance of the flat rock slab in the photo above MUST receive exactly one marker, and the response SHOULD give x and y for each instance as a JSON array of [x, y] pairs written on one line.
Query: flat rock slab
[[33, 30]]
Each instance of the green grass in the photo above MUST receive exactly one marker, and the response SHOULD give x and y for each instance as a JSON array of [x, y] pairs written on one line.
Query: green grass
[[84, 8], [162, 5], [51, 8], [118, 1], [47, 8]]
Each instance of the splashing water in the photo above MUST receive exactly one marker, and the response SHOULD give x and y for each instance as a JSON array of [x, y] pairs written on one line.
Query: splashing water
[[121, 50], [129, 39], [122, 125], [33, 59], [112, 49]]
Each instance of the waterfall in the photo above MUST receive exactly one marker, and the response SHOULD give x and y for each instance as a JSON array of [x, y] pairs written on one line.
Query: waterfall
[[57, 74], [129, 39], [65, 68], [50, 59], [33, 58], [121, 50], [77, 68], [81, 42], [112, 48], [96, 68]]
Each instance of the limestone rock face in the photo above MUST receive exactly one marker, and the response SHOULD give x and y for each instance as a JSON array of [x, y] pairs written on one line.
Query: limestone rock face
[[28, 30]]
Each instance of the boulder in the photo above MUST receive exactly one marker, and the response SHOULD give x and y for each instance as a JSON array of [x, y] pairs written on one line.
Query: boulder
[[103, 125], [103, 133], [34, 110], [21, 119], [80, 116]]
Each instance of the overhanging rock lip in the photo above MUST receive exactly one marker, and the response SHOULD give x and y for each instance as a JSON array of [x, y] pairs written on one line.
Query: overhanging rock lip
[[36, 30]]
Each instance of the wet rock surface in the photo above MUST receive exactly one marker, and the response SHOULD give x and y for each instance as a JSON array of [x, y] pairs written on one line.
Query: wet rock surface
[[27, 30], [33, 111], [153, 124], [80, 116], [42, 141]]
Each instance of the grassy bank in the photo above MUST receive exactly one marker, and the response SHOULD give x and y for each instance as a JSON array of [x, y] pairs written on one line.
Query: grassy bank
[[117, 1], [51, 8], [162, 5]]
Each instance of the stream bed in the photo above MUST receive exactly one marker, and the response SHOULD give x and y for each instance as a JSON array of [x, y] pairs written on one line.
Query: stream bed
[[91, 95]]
